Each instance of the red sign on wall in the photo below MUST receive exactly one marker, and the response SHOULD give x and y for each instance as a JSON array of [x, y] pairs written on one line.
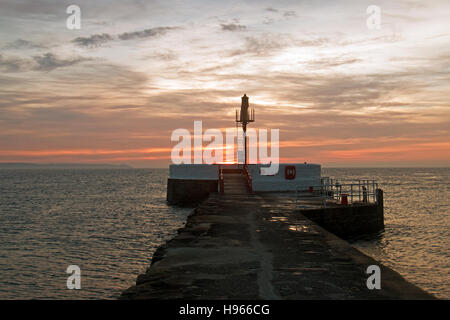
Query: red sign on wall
[[289, 172]]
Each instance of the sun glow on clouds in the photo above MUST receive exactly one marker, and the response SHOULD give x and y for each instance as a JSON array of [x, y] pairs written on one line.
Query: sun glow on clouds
[[338, 92]]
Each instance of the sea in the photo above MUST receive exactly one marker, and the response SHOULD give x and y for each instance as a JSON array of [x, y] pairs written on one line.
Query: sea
[[109, 222]]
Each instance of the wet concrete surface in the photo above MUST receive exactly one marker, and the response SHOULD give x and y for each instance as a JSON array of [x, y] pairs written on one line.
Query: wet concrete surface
[[258, 247]]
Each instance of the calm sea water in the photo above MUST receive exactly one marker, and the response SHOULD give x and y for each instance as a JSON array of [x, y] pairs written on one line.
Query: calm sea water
[[109, 223], [416, 238]]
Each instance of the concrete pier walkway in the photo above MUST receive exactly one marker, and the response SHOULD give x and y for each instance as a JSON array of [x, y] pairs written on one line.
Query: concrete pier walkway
[[258, 247]]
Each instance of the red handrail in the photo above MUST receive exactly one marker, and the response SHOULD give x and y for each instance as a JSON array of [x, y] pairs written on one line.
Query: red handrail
[[249, 179]]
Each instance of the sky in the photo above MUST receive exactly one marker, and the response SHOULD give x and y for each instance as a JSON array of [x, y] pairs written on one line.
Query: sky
[[342, 94]]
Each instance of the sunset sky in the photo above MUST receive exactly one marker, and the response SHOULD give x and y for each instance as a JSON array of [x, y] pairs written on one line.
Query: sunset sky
[[341, 94]]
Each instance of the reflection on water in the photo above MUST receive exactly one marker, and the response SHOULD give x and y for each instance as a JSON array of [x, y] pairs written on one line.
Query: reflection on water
[[416, 238]]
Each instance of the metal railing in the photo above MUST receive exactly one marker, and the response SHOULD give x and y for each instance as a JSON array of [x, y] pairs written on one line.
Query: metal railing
[[250, 117], [361, 190], [344, 192], [248, 177]]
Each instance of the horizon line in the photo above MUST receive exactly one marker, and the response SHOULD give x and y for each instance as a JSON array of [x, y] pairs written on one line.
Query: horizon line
[[167, 166]]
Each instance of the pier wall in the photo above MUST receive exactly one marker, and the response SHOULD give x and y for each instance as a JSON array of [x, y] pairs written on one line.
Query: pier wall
[[189, 191], [347, 221], [194, 171], [307, 175], [189, 184], [256, 247]]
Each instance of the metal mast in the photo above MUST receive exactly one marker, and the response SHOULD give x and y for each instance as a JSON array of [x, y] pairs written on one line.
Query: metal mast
[[243, 118]]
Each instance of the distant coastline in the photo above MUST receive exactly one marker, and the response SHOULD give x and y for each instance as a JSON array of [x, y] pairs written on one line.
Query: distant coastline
[[26, 165]]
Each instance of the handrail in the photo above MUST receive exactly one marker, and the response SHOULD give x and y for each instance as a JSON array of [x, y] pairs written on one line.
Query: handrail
[[362, 191], [248, 177]]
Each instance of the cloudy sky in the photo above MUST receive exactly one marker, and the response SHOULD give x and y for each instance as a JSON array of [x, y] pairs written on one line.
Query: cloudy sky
[[341, 94]]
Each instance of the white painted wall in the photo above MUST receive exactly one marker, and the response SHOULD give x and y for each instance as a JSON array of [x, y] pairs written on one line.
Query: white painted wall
[[306, 175], [194, 171]]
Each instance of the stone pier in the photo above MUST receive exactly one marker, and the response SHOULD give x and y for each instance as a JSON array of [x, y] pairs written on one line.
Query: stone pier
[[261, 247]]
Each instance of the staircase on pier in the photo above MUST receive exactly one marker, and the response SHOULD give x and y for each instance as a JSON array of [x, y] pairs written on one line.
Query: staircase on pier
[[234, 181]]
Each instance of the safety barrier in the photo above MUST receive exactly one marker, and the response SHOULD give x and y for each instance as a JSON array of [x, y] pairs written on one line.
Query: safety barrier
[[349, 192]]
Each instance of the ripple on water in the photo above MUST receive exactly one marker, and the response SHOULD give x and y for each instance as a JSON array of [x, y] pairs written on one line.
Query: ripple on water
[[416, 238], [108, 222]]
